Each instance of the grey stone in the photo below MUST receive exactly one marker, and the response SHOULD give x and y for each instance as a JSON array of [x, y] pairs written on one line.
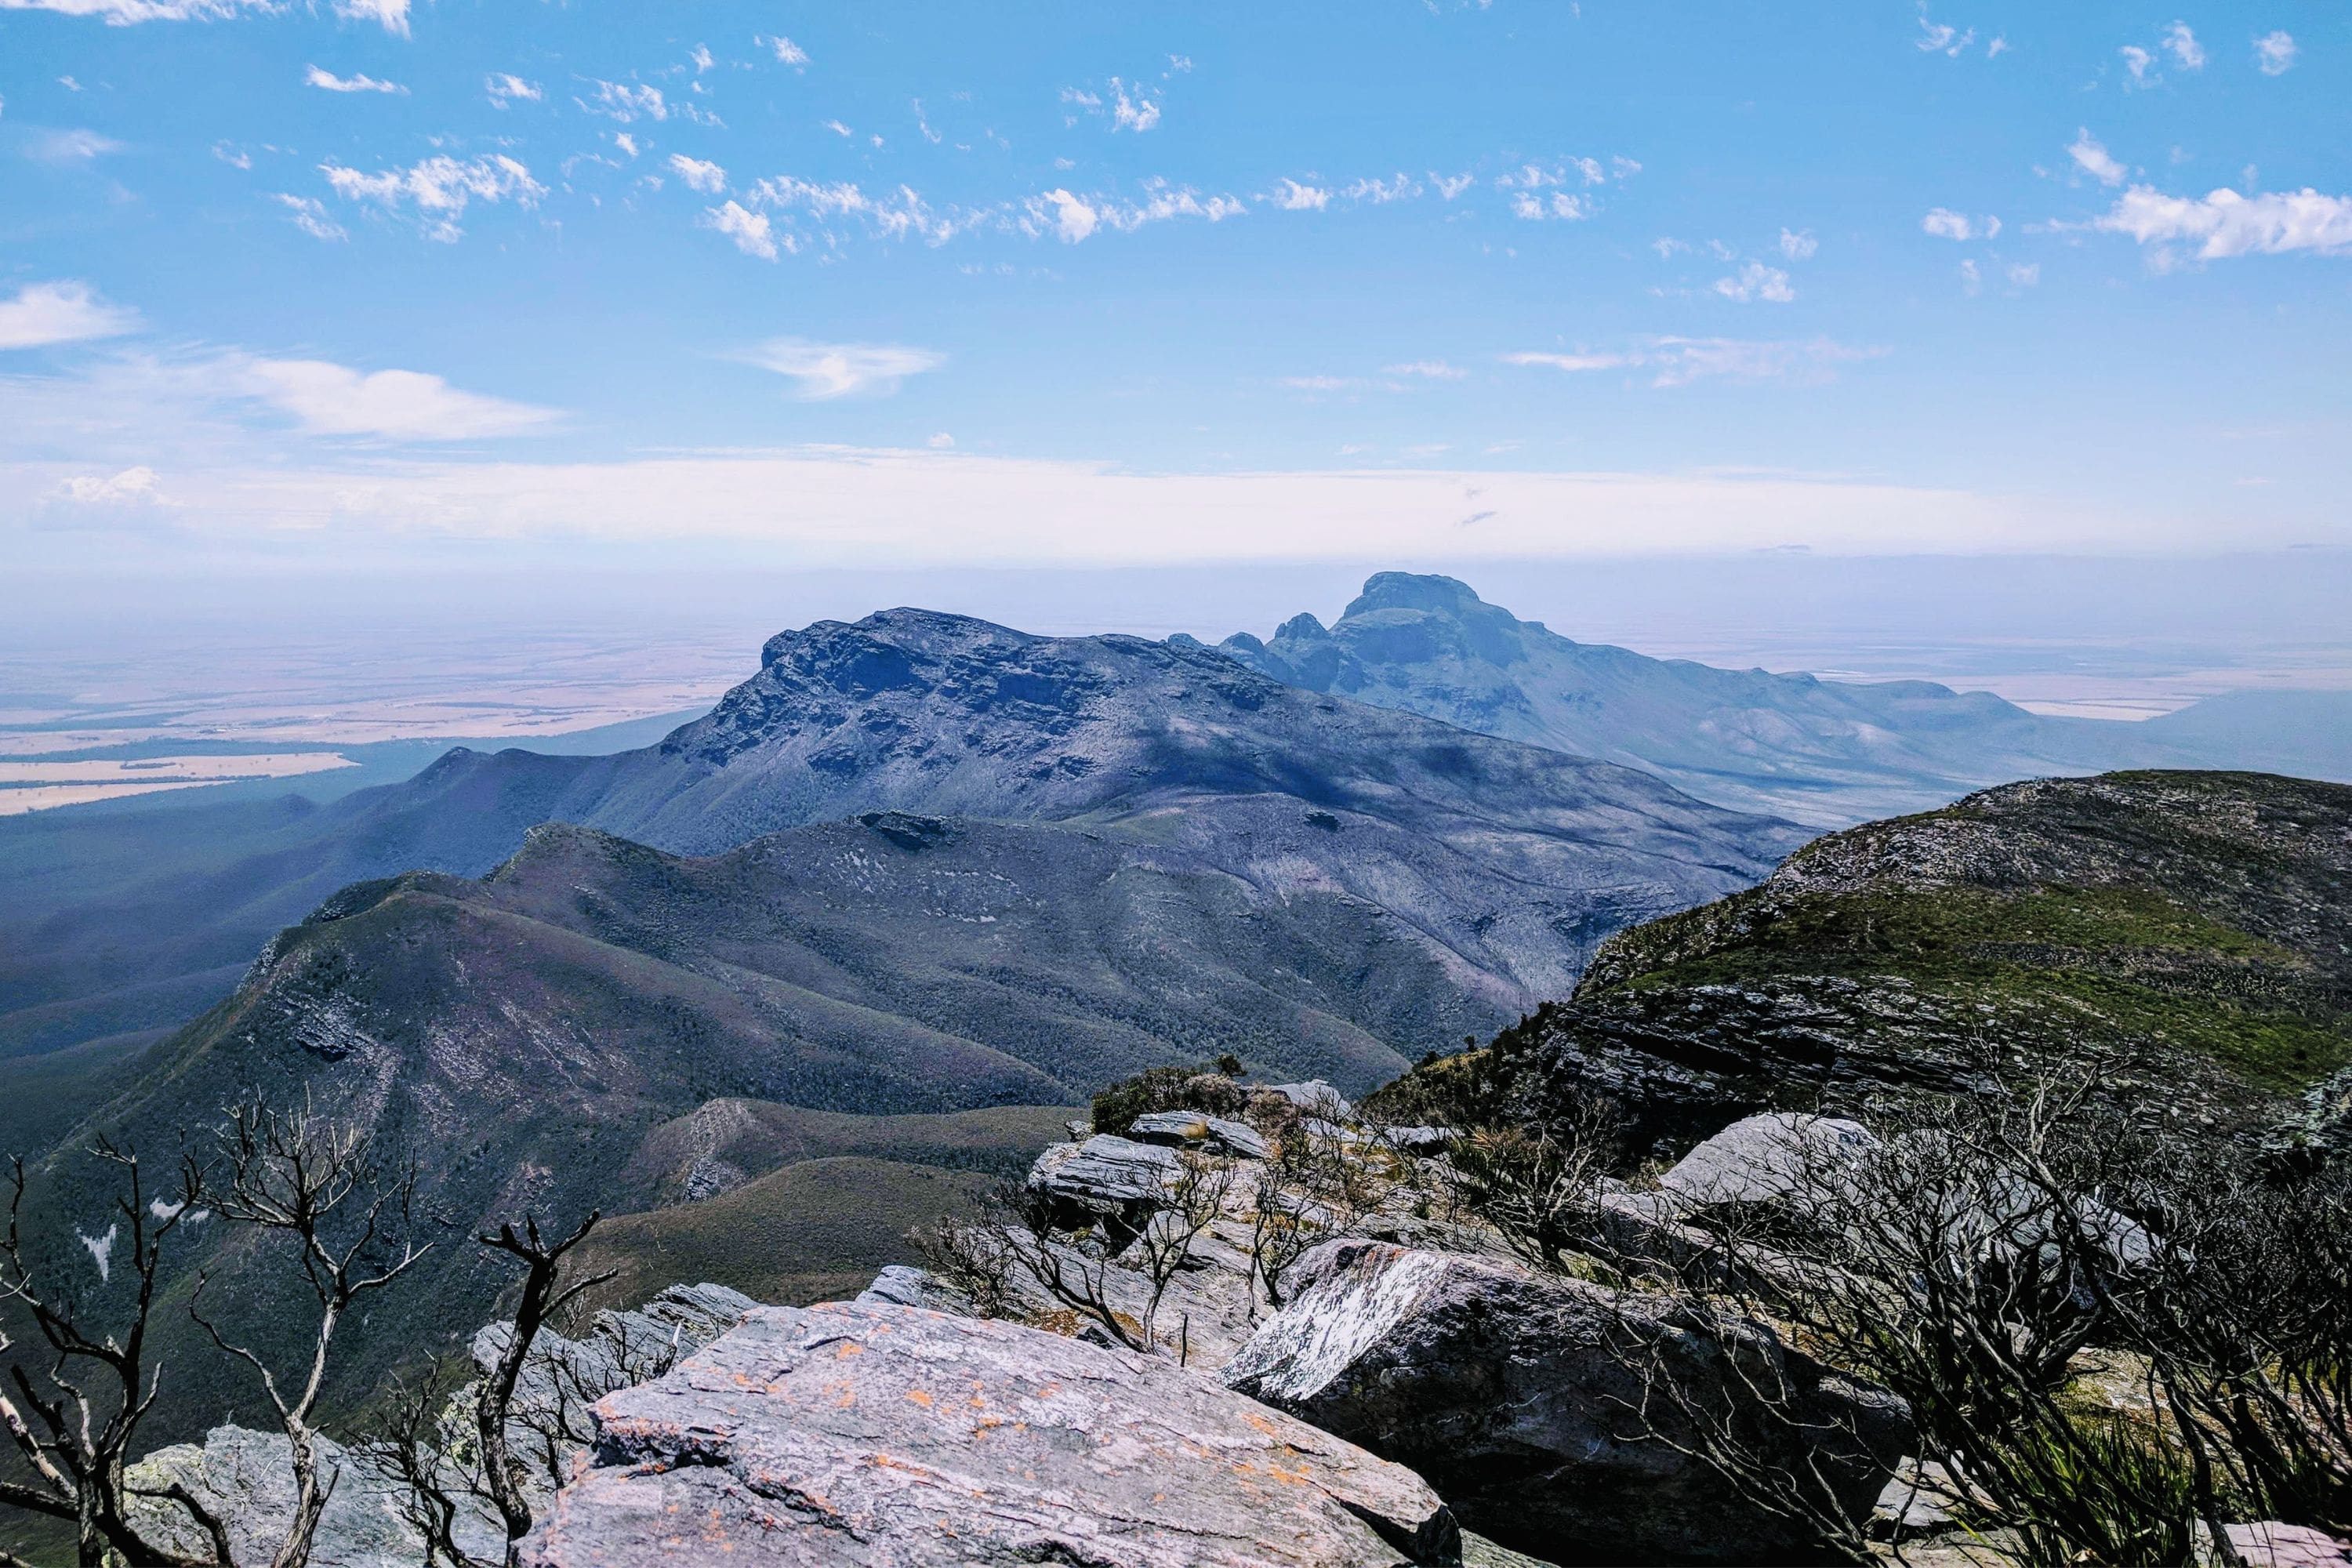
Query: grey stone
[[1917, 1500], [2274, 1546], [900, 1285], [1763, 1159], [1420, 1140], [1315, 1095], [1193, 1130], [1106, 1176], [247, 1479], [890, 1438], [1514, 1395]]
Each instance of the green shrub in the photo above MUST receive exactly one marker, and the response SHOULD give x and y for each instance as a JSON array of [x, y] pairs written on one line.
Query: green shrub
[[1210, 1087]]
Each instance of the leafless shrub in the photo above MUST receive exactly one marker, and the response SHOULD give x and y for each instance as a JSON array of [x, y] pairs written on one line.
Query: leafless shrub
[[73, 1420], [318, 1184], [1541, 1187]]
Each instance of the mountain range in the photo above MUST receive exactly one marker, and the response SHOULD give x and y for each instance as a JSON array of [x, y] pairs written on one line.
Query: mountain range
[[1828, 754]]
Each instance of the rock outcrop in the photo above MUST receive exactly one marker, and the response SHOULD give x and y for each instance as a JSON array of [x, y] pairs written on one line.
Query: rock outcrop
[[1531, 1404], [891, 1438]]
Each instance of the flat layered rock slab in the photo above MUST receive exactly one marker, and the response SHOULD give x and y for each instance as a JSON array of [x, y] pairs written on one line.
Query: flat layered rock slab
[[894, 1437]]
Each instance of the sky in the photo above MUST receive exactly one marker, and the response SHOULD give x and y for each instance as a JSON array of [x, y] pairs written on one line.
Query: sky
[[375, 284]]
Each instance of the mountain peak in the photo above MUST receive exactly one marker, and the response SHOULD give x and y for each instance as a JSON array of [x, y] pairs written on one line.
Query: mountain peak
[[1414, 591]]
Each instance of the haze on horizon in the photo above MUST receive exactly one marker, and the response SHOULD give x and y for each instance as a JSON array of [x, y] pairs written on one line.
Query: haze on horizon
[[1723, 333]]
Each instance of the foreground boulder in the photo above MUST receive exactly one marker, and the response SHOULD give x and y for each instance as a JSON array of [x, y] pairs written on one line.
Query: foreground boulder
[[892, 1438], [1532, 1404]]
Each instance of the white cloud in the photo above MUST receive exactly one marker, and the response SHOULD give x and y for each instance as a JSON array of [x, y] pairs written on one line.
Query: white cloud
[[702, 56], [1946, 224], [391, 13], [1380, 193], [898, 215], [787, 52], [1757, 281], [625, 143], [1572, 363], [940, 442], [625, 102], [134, 484], [827, 371], [400, 405], [1678, 361], [1428, 370], [698, 174], [2094, 160], [2138, 61], [1799, 246], [506, 87], [1971, 278], [1997, 48], [125, 12], [1451, 186], [310, 216], [328, 79], [1139, 113], [838, 129], [2226, 222], [2182, 46], [750, 231], [2274, 53], [70, 146], [1535, 209], [46, 314], [1073, 218], [2024, 274], [439, 188], [1292, 196], [1941, 37]]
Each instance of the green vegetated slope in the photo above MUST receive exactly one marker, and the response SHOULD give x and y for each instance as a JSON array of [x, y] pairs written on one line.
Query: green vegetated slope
[[2193, 930], [600, 1023]]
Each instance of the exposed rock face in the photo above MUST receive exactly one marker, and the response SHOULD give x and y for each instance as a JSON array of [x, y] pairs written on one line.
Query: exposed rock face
[[1194, 1130], [1761, 1159], [890, 1438], [1107, 1175], [247, 1478], [1516, 1395]]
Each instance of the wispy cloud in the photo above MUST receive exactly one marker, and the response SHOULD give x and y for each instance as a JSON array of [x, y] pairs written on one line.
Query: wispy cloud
[[329, 80], [1680, 361], [438, 190], [127, 13], [2275, 53], [1799, 246], [506, 87], [310, 216], [1757, 281], [44, 314], [828, 371], [2094, 160], [787, 52], [625, 101], [1946, 224], [2225, 223], [1292, 196], [700, 175], [329, 399], [2182, 46], [391, 15], [752, 232], [70, 146]]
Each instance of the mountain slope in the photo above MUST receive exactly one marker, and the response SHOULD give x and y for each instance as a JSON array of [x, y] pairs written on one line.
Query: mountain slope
[[1517, 858], [1825, 753], [2184, 928]]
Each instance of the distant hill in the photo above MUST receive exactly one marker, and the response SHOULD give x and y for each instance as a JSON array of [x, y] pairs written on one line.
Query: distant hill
[[1829, 753], [1513, 860], [2187, 928]]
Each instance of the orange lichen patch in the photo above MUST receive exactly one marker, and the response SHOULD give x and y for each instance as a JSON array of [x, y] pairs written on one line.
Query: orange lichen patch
[[846, 1349], [920, 1397]]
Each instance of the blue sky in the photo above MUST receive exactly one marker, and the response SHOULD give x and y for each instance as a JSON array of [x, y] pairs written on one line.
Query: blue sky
[[400, 280]]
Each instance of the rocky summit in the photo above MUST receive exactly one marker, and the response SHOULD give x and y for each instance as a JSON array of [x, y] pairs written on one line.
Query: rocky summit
[[889, 1436]]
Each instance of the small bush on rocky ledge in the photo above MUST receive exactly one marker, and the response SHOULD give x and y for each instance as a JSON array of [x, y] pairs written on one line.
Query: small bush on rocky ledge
[[1212, 1086]]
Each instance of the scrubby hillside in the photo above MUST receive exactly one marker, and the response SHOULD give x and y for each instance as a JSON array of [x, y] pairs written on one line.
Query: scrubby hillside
[[2188, 928]]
